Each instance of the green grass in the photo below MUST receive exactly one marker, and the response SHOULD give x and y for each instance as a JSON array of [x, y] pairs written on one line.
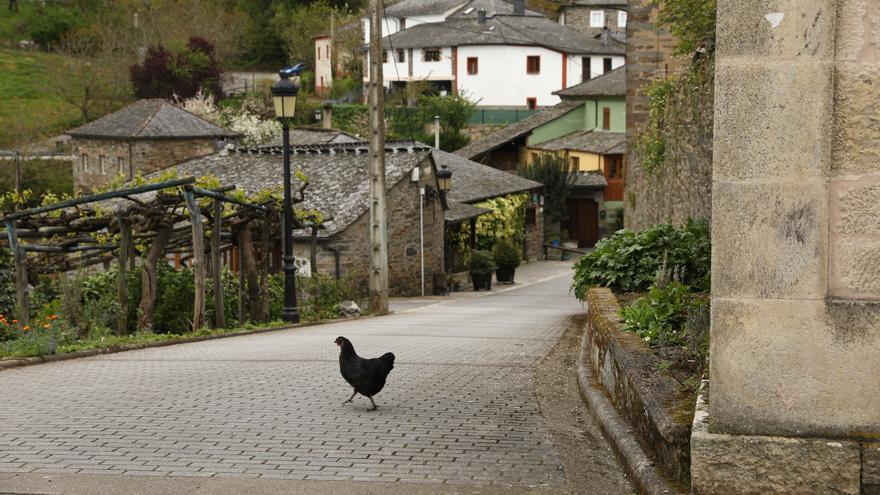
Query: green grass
[[27, 109]]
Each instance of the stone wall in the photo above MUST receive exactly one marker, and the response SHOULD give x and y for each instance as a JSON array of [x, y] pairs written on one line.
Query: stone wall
[[577, 17], [136, 156], [648, 58], [795, 336], [404, 261], [534, 238], [681, 187]]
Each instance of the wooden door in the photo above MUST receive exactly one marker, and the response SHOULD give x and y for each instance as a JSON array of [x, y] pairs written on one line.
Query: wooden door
[[583, 225], [614, 177]]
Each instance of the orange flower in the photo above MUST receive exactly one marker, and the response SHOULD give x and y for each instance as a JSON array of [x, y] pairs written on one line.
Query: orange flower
[[26, 327], [53, 317], [14, 321], [45, 325]]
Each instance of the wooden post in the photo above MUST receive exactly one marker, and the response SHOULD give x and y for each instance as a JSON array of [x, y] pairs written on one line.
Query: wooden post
[[21, 283], [17, 177], [217, 266], [198, 262], [265, 303], [249, 271], [149, 280], [378, 216], [313, 255], [122, 283], [473, 234], [241, 282]]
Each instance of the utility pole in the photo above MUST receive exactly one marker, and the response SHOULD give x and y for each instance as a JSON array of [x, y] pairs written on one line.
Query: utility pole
[[378, 218], [332, 47], [17, 178]]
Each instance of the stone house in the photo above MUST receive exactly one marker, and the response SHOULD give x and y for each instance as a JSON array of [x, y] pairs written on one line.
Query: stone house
[[339, 188], [143, 137], [595, 17]]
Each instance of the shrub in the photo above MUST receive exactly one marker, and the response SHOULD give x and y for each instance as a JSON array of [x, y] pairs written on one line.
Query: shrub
[[7, 282], [481, 263], [659, 318], [507, 256], [48, 25], [557, 177], [168, 75], [629, 261]]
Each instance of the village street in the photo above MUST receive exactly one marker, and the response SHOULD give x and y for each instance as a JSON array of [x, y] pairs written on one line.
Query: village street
[[461, 408]]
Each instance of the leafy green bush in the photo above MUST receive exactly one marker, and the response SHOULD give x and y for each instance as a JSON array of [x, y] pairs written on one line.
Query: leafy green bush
[[7, 283], [49, 24], [482, 263], [628, 261], [320, 296], [507, 256], [659, 318]]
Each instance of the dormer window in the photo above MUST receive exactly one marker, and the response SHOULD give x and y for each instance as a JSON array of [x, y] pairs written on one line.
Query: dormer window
[[431, 55], [597, 18]]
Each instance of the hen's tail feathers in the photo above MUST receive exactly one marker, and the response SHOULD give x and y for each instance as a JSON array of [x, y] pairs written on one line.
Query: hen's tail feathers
[[388, 358]]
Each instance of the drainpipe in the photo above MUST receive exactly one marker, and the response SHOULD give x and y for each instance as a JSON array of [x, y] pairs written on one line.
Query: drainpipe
[[422, 233]]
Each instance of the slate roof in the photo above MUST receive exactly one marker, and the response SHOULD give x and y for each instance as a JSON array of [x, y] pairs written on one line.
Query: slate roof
[[492, 7], [597, 3], [608, 84], [501, 30], [408, 8], [601, 142], [151, 119], [313, 136], [459, 212], [590, 180], [472, 181], [338, 175], [516, 130]]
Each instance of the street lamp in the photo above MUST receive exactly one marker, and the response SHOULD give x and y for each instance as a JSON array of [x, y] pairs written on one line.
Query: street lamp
[[444, 179], [284, 96]]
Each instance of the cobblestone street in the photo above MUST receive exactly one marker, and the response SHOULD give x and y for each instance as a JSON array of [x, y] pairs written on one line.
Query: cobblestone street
[[459, 408]]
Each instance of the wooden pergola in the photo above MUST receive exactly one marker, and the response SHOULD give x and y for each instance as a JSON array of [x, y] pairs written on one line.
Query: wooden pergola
[[168, 216]]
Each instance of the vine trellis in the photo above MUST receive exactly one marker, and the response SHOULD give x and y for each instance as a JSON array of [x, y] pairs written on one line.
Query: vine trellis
[[150, 221]]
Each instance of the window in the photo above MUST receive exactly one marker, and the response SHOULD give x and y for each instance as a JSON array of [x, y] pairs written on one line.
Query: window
[[327, 51], [318, 55], [384, 56], [531, 103], [597, 18], [101, 164], [431, 55], [534, 157], [85, 162], [533, 64], [586, 72], [606, 118], [606, 64], [575, 163], [120, 164], [531, 215], [621, 19], [401, 56], [472, 65], [614, 166]]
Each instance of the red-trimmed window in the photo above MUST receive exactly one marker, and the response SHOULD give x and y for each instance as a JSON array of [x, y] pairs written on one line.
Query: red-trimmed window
[[431, 55], [532, 103], [606, 118], [533, 64], [473, 65]]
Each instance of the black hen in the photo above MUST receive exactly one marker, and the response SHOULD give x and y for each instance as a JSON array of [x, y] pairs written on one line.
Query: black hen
[[367, 376]]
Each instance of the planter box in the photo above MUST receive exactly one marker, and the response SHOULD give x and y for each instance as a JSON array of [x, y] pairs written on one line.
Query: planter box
[[482, 281], [659, 408], [505, 275]]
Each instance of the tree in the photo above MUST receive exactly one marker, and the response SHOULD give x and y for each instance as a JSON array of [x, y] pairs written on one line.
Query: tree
[[91, 75], [168, 75], [692, 22], [557, 177], [416, 122]]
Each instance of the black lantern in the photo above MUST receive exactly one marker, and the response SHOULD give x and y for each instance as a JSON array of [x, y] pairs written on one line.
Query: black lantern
[[444, 179], [284, 97]]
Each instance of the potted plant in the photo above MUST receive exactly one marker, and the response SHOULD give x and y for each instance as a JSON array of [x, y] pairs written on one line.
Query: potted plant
[[507, 258], [481, 268]]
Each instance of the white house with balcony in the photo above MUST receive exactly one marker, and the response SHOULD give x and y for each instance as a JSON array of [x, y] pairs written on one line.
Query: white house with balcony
[[496, 52]]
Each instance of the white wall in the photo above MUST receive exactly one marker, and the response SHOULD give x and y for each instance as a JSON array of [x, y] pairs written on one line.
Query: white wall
[[422, 71], [323, 63], [390, 27], [596, 66], [502, 80]]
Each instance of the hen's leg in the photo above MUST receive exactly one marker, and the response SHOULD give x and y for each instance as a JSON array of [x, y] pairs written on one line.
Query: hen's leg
[[351, 398], [374, 405]]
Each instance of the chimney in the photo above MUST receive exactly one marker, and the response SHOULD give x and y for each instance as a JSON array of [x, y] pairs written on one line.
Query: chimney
[[327, 114], [519, 7], [481, 16]]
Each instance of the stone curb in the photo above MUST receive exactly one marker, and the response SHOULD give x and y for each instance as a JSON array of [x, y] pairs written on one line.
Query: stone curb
[[641, 469], [31, 361]]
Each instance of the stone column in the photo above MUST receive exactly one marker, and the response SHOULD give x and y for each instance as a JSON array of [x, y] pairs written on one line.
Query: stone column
[[794, 400]]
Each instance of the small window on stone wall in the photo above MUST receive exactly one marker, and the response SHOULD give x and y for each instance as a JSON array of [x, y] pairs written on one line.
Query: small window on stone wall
[[84, 164], [531, 215], [101, 164], [120, 164]]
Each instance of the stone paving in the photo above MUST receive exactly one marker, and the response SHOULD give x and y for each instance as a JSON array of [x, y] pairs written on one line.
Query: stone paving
[[458, 408]]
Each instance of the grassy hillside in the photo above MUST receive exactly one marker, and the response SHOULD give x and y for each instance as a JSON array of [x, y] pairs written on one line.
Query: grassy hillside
[[28, 110]]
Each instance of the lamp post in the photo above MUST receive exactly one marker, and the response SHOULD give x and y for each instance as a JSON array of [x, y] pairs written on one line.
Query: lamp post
[[444, 180], [284, 97]]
